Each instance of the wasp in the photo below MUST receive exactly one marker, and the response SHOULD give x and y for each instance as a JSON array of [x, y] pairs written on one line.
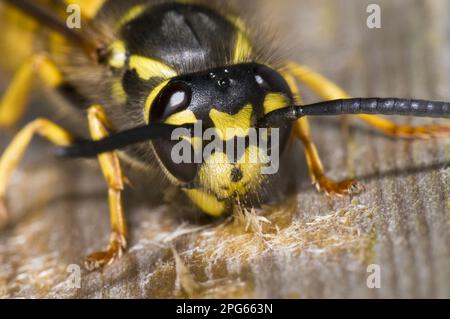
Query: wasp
[[140, 70]]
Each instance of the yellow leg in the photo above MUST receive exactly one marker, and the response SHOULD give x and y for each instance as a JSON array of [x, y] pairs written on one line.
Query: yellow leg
[[110, 165], [330, 91], [14, 152], [316, 170], [14, 101], [315, 166]]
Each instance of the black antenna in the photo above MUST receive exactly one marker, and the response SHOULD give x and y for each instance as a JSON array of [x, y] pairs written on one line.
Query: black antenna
[[379, 106], [89, 148]]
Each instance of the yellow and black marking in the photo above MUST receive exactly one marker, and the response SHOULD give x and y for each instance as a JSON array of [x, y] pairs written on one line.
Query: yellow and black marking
[[142, 68]]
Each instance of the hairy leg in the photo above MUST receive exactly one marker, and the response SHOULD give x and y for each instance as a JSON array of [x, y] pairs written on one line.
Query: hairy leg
[[11, 157], [316, 170], [14, 101], [111, 168]]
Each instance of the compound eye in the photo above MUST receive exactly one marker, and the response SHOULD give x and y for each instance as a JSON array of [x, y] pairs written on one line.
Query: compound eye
[[270, 80], [175, 97]]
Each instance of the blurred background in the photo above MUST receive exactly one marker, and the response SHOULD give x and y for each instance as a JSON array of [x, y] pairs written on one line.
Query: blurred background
[[309, 246]]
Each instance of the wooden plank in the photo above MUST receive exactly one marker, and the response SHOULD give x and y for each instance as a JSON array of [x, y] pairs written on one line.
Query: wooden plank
[[314, 246]]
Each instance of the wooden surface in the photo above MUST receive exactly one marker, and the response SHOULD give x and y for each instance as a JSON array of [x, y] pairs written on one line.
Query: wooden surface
[[311, 246]]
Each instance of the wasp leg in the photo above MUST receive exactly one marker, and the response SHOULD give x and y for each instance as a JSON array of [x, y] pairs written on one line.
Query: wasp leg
[[330, 91], [315, 166], [14, 152], [316, 170], [14, 101], [109, 162]]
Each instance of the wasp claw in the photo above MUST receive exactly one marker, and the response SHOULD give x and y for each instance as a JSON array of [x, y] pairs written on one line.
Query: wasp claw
[[101, 259], [339, 189]]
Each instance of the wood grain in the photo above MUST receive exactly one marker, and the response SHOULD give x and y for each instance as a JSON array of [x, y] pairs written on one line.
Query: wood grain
[[313, 247]]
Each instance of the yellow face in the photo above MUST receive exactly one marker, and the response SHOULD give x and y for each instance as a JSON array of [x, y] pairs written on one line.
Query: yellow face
[[226, 179]]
